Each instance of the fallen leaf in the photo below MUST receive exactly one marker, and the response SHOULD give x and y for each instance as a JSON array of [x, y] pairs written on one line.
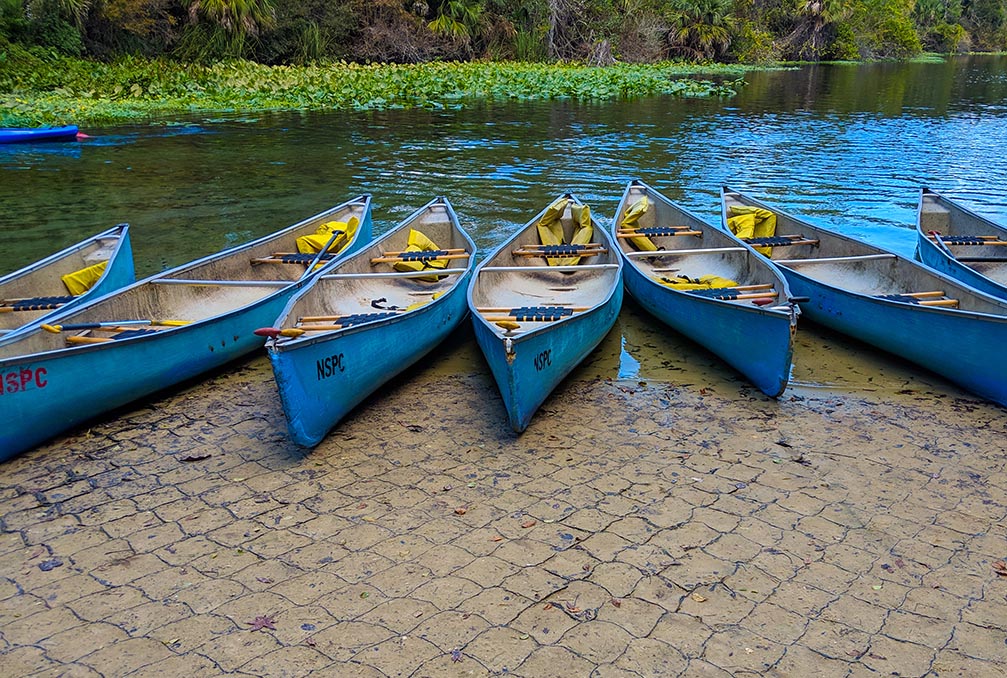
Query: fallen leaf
[[529, 523], [616, 602], [547, 606], [264, 580], [1000, 567], [262, 622], [461, 510], [497, 538], [699, 598], [196, 457], [524, 636], [311, 642]]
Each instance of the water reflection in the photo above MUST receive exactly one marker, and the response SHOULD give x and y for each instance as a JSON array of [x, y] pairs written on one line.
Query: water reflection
[[845, 146]]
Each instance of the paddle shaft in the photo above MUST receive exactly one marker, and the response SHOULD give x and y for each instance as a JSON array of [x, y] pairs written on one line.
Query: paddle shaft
[[659, 235], [391, 259]]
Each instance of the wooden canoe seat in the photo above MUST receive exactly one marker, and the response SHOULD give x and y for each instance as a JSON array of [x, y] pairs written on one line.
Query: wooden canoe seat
[[967, 239], [590, 249], [292, 258], [422, 257], [533, 314], [33, 304], [657, 231], [561, 269], [780, 241], [340, 321], [935, 298]]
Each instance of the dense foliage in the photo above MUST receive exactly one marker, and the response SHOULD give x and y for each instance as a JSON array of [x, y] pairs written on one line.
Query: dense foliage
[[591, 31], [53, 89]]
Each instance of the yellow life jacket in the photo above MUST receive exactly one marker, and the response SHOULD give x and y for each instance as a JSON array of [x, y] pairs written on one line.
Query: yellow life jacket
[[550, 229], [312, 244], [421, 243], [703, 282], [630, 221], [79, 282], [752, 222]]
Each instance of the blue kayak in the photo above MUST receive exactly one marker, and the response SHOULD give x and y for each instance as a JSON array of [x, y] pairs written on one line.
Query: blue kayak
[[26, 135], [367, 319], [160, 331], [750, 324]]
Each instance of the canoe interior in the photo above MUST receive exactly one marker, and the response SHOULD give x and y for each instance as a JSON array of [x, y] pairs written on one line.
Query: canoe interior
[[45, 280], [240, 266], [881, 274], [351, 296], [539, 286], [937, 213], [740, 265], [144, 301]]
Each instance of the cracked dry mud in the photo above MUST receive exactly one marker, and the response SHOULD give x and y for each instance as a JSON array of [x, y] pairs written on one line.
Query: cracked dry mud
[[682, 526]]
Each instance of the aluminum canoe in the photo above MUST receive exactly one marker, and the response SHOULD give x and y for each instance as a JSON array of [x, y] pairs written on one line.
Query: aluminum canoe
[[54, 380], [754, 333], [35, 293], [955, 240], [530, 361], [381, 321], [893, 303]]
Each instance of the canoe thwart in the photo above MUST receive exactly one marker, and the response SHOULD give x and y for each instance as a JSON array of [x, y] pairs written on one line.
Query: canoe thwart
[[829, 260], [585, 250], [780, 241], [347, 320], [563, 269], [119, 333], [421, 257], [511, 309], [291, 258], [33, 304], [658, 231], [344, 322], [222, 283]]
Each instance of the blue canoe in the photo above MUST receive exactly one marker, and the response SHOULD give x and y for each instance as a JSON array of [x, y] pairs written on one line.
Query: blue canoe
[[29, 135], [750, 325], [129, 344], [37, 292], [955, 240], [535, 322], [893, 303], [363, 321]]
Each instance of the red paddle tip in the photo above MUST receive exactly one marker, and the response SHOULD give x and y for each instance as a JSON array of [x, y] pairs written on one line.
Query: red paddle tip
[[270, 332], [81, 135], [764, 302]]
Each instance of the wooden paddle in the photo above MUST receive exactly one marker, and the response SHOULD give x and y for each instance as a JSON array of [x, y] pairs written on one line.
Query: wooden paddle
[[387, 258], [630, 234], [56, 329]]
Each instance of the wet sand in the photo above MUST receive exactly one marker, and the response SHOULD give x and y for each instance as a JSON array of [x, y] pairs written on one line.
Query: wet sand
[[670, 522]]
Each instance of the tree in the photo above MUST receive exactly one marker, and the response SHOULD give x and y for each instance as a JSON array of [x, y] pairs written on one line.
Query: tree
[[701, 29]]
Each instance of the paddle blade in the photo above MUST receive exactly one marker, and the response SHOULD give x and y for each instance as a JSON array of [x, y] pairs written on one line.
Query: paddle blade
[[268, 332], [55, 329], [765, 301]]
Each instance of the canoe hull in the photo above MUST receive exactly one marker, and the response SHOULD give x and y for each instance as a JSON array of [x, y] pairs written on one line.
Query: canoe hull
[[756, 343], [46, 394], [541, 360], [27, 135], [320, 383], [930, 337]]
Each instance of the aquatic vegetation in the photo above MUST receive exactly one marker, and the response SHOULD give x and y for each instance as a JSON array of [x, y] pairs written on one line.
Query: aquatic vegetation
[[59, 90]]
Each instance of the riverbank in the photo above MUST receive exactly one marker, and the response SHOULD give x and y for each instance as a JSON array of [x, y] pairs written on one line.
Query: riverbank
[[57, 90], [680, 527]]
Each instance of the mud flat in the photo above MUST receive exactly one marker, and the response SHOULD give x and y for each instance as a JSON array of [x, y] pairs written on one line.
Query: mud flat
[[669, 522]]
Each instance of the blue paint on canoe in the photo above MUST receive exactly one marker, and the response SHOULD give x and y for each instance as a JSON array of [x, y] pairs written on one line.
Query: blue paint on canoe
[[528, 365], [26, 135], [46, 388], [756, 341], [119, 273], [368, 354], [940, 259], [959, 344]]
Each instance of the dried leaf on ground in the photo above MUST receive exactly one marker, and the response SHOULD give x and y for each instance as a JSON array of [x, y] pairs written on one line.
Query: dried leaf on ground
[[698, 597], [262, 622]]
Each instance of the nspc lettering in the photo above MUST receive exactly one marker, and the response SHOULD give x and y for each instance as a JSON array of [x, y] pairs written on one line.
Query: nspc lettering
[[329, 366], [23, 380]]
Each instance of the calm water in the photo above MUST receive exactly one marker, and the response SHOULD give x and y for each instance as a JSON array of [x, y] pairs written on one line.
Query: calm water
[[846, 146]]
